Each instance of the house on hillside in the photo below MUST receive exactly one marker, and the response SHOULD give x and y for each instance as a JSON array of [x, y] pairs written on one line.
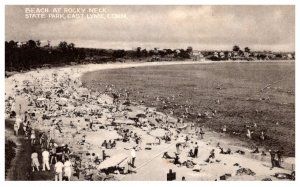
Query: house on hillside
[[216, 54], [222, 55], [246, 54], [197, 55], [289, 56]]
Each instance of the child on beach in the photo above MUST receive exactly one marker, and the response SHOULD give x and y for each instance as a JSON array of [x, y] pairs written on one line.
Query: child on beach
[[35, 161]]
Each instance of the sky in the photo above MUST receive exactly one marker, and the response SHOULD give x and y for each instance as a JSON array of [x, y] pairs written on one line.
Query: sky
[[202, 27]]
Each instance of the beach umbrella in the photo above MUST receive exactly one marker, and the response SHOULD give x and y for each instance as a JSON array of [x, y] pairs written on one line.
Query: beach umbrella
[[63, 101], [41, 99], [126, 103], [103, 121], [126, 127], [183, 126], [70, 107], [141, 116], [82, 91], [119, 114], [26, 82], [104, 98], [124, 121], [158, 132], [48, 93], [153, 121], [60, 91], [113, 161], [171, 119], [131, 115], [75, 95], [181, 139]]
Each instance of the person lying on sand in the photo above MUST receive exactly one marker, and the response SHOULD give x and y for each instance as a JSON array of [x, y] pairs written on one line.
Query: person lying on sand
[[167, 156], [228, 151], [255, 150], [189, 163]]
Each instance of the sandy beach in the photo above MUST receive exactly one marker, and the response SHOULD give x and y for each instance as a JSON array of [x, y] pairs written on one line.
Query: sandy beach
[[149, 162]]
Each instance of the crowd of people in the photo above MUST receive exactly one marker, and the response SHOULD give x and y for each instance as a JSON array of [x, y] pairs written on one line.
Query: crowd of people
[[57, 120]]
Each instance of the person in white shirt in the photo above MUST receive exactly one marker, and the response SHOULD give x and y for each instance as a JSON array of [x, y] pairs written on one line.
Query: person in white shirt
[[17, 125], [58, 170], [133, 156], [68, 169], [45, 155], [35, 161]]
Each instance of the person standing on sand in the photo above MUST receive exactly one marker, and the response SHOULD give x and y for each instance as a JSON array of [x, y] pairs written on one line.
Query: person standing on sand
[[78, 127], [273, 162], [32, 137], [91, 124], [68, 169], [58, 170], [133, 156], [35, 161], [43, 140], [201, 133], [45, 155], [196, 150], [178, 148], [52, 153], [249, 133], [104, 155], [262, 136], [13, 109], [224, 129], [51, 131], [17, 125], [280, 159]]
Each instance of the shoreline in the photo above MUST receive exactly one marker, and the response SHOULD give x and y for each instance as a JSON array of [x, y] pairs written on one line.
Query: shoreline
[[159, 63], [244, 140], [82, 69]]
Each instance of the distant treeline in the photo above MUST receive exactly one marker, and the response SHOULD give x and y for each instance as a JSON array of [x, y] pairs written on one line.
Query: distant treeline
[[23, 56], [28, 55]]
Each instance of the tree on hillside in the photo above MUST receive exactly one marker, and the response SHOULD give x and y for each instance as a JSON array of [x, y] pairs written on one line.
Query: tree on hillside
[[236, 48], [48, 43], [63, 45], [247, 49], [183, 54], [189, 49], [38, 43], [138, 52], [144, 53], [119, 53], [71, 46], [169, 51], [241, 53], [31, 44], [11, 44]]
